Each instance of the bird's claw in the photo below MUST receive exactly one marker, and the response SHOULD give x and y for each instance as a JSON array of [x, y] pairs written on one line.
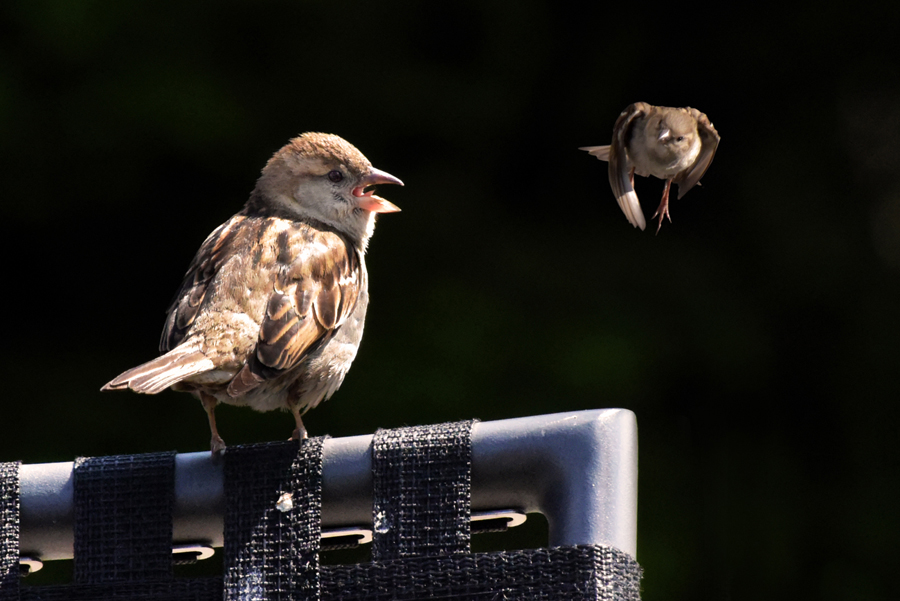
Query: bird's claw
[[216, 445], [663, 209], [663, 212]]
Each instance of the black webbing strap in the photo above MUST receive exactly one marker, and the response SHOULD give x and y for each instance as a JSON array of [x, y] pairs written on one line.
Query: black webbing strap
[[123, 518], [577, 573], [422, 491], [123, 535], [273, 520], [178, 589], [421, 537], [9, 531], [272, 531]]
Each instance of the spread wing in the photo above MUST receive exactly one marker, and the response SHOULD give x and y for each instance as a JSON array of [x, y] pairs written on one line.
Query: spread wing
[[320, 278], [620, 167], [709, 141], [218, 247]]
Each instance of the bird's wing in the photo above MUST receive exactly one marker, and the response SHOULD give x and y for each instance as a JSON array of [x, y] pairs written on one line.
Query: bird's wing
[[215, 251], [318, 287], [709, 141], [619, 167]]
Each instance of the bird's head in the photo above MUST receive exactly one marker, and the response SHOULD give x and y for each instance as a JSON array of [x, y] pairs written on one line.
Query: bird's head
[[676, 136], [325, 178]]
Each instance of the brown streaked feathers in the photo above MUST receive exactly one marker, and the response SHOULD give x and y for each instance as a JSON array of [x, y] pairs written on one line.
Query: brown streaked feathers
[[308, 299], [270, 312]]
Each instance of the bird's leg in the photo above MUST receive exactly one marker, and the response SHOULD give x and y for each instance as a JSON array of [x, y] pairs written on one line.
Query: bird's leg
[[299, 432], [663, 209], [216, 444], [631, 177]]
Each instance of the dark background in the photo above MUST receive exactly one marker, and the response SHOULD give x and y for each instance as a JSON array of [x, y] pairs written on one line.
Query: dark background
[[755, 337]]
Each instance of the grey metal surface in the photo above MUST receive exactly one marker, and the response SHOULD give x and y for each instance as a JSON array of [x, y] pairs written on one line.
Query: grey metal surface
[[579, 469]]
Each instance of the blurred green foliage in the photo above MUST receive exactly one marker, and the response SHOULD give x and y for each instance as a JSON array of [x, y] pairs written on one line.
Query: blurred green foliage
[[755, 337]]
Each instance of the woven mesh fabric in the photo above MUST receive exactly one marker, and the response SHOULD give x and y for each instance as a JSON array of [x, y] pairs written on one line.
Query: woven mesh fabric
[[123, 535], [422, 490], [421, 507], [123, 517], [573, 573], [421, 537], [272, 546], [194, 589], [617, 575], [9, 531]]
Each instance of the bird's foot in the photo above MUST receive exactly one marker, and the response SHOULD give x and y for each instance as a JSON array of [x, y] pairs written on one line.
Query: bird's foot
[[216, 445], [299, 432], [662, 211]]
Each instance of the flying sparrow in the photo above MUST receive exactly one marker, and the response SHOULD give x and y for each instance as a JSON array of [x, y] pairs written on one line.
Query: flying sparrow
[[270, 313], [672, 144]]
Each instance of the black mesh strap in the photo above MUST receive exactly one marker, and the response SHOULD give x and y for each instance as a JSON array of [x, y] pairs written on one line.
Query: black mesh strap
[[578, 573], [422, 491], [178, 589], [123, 517], [272, 532], [273, 520], [9, 531]]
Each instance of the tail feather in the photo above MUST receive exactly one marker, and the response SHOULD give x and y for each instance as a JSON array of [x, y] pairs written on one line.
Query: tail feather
[[157, 375], [601, 152]]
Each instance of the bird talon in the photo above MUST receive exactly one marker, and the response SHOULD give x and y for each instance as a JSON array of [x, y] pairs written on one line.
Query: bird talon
[[663, 213], [216, 446]]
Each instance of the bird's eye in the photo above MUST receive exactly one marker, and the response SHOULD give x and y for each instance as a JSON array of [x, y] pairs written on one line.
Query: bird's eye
[[335, 175], [679, 138]]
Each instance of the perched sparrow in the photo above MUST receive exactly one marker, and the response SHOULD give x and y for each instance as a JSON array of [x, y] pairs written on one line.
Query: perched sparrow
[[271, 310], [674, 144]]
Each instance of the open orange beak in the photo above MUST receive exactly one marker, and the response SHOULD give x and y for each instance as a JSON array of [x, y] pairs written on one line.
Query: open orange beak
[[367, 200]]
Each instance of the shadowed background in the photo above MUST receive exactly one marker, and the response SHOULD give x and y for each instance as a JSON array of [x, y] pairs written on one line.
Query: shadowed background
[[755, 337]]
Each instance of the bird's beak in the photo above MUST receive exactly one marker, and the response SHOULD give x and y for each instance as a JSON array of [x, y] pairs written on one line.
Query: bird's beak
[[664, 135], [367, 200]]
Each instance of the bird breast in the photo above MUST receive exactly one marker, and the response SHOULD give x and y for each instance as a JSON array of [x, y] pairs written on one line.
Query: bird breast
[[662, 161]]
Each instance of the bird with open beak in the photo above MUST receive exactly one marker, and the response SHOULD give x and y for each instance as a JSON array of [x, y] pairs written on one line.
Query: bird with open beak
[[271, 311], [673, 144]]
